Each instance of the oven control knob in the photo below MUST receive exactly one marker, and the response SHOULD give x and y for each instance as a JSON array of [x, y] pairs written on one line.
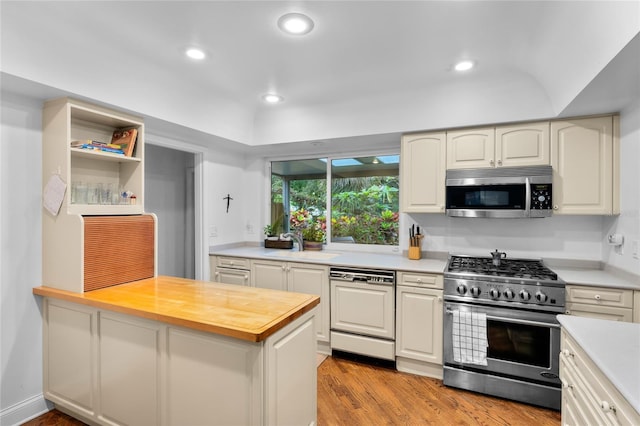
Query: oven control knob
[[509, 294], [462, 289], [494, 293], [475, 291], [541, 297], [525, 295]]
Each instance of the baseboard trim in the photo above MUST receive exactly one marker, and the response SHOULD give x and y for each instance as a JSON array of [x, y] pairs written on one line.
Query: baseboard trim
[[24, 411]]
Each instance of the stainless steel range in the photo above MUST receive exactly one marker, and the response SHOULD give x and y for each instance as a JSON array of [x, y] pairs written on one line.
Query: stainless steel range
[[501, 336]]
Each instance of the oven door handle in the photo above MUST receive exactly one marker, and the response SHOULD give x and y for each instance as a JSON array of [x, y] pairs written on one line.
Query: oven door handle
[[516, 320]]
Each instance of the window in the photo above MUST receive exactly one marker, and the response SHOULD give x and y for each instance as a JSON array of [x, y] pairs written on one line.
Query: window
[[363, 199]]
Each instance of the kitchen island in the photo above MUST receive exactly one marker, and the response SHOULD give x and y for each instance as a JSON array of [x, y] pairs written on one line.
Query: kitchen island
[[171, 351]]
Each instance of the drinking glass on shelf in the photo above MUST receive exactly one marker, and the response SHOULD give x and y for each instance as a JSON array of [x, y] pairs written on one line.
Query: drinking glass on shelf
[[80, 193], [93, 194]]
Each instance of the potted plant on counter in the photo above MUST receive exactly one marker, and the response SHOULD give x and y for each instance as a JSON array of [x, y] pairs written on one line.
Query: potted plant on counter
[[313, 229]]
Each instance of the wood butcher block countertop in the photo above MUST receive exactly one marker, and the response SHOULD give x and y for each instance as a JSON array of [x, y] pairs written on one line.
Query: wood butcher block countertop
[[246, 313]]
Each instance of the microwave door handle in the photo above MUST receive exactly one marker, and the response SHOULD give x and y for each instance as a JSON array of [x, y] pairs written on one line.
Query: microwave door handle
[[527, 194]]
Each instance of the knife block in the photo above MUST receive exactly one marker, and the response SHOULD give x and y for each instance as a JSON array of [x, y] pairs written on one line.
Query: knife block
[[415, 253]]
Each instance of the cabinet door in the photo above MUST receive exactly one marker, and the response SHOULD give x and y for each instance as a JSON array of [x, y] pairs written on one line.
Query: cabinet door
[[69, 361], [523, 145], [269, 274], [232, 276], [419, 324], [312, 279], [636, 306], [582, 159], [422, 173], [470, 149], [129, 369]]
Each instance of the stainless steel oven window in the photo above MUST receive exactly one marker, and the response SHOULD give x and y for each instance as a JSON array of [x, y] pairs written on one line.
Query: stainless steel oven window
[[521, 343]]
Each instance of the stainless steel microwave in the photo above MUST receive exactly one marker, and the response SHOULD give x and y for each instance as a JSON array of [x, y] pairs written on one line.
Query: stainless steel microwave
[[502, 192]]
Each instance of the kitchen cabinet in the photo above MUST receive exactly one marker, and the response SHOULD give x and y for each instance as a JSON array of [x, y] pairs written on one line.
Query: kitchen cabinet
[[599, 302], [585, 158], [505, 146], [419, 324], [230, 270], [588, 396], [93, 182], [111, 368], [300, 278], [422, 173], [636, 306]]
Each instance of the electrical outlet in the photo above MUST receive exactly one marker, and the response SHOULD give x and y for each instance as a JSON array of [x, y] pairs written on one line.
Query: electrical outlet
[[634, 249], [213, 231], [250, 228]]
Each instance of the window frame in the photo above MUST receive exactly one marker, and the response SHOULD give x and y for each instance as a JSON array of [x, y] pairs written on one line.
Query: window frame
[[330, 157]]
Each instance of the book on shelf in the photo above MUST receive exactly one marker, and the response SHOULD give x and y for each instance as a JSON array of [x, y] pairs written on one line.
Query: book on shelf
[[126, 138], [97, 146]]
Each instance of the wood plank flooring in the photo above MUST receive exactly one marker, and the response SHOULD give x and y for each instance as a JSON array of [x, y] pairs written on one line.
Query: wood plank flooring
[[354, 393]]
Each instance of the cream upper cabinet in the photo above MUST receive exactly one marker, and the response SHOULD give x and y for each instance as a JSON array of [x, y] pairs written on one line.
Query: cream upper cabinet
[[506, 146], [471, 148], [585, 160], [523, 145], [422, 173]]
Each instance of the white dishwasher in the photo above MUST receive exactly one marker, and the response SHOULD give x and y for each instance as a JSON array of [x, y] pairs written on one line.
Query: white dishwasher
[[363, 311]]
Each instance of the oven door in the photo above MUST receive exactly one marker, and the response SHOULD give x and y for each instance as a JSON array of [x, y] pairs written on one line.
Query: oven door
[[521, 344]]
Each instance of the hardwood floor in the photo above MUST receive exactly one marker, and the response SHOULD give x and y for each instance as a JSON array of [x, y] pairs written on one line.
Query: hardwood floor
[[353, 393]]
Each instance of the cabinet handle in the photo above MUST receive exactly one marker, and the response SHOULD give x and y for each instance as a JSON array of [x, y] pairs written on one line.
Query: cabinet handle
[[231, 263], [567, 353], [555, 207], [284, 268], [568, 312], [419, 280], [499, 162], [491, 162], [597, 297], [217, 274], [566, 385], [440, 299], [606, 407]]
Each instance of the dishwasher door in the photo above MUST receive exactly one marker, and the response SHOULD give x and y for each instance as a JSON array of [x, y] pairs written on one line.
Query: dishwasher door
[[362, 308], [232, 276]]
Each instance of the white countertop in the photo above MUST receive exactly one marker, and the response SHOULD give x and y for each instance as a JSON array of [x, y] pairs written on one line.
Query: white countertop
[[356, 259], [614, 347], [597, 277]]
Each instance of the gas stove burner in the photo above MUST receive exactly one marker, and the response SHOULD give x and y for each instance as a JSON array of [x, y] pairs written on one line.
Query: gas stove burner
[[515, 268]]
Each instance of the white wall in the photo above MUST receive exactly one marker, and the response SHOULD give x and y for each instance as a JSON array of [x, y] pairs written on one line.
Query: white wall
[[21, 259], [628, 223]]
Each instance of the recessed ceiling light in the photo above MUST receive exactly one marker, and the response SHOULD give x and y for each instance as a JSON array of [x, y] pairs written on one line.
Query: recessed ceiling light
[[272, 98], [295, 24], [195, 53], [463, 66]]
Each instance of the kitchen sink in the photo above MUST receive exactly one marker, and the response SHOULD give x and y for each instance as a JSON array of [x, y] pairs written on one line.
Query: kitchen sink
[[311, 255]]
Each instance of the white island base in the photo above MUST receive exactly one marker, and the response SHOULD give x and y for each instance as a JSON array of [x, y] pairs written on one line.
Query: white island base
[[109, 368]]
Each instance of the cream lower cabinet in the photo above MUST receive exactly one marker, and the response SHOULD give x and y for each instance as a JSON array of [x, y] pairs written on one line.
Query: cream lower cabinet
[[422, 173], [636, 306], [300, 278], [599, 302], [419, 324], [230, 270], [585, 158], [588, 397], [113, 369]]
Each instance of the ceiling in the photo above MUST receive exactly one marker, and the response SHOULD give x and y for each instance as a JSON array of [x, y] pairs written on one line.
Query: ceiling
[[367, 68]]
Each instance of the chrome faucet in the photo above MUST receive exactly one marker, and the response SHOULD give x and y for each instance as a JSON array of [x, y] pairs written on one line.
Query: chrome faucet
[[297, 237]]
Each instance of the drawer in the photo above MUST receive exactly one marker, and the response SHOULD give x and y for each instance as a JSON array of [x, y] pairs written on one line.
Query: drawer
[[602, 397], [420, 280], [234, 262], [600, 312], [600, 296], [577, 408]]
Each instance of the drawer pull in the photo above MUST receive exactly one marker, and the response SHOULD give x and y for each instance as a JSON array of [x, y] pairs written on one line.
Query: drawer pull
[[567, 386], [567, 353], [597, 297], [419, 280], [606, 407]]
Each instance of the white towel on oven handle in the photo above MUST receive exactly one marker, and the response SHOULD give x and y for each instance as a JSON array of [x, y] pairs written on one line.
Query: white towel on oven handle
[[469, 335]]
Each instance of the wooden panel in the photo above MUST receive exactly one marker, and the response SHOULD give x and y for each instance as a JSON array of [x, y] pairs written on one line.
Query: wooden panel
[[118, 249]]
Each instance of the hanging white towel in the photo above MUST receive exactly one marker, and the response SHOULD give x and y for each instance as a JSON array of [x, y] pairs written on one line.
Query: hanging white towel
[[469, 337]]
